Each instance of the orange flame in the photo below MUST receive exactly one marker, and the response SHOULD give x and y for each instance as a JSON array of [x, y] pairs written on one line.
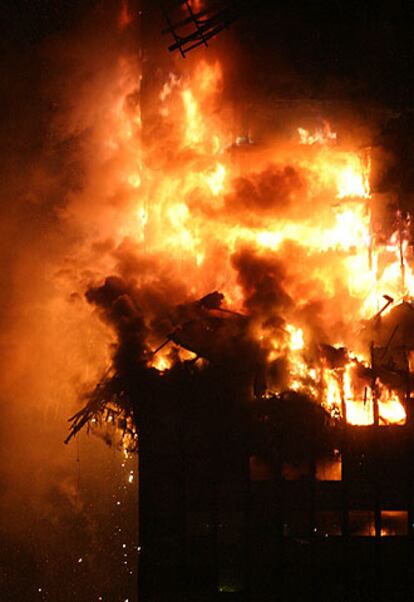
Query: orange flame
[[125, 17], [192, 206]]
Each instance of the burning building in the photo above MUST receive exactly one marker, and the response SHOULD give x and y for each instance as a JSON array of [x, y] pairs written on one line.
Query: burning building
[[261, 302], [246, 261]]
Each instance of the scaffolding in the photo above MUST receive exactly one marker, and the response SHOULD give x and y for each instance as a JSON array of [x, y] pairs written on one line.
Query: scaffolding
[[192, 27]]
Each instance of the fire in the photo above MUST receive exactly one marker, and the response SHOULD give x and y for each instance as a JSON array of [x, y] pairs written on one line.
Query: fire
[[351, 184], [161, 362], [215, 179], [322, 135], [296, 337], [194, 127], [307, 207], [391, 410], [125, 17]]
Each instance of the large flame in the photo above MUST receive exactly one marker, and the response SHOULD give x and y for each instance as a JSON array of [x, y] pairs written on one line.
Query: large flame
[[203, 194]]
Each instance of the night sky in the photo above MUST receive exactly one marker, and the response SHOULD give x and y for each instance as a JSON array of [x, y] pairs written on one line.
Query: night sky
[[351, 50]]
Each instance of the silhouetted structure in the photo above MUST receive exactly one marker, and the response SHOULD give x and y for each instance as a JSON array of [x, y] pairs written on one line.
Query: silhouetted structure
[[191, 28], [270, 500], [262, 497]]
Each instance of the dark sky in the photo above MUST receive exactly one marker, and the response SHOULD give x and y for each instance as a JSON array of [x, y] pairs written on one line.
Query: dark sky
[[363, 49], [337, 48], [28, 22]]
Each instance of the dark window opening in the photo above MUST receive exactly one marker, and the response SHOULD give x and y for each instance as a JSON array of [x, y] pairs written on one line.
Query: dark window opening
[[328, 523], [259, 469], [361, 523], [294, 471], [296, 523], [394, 523], [329, 468]]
